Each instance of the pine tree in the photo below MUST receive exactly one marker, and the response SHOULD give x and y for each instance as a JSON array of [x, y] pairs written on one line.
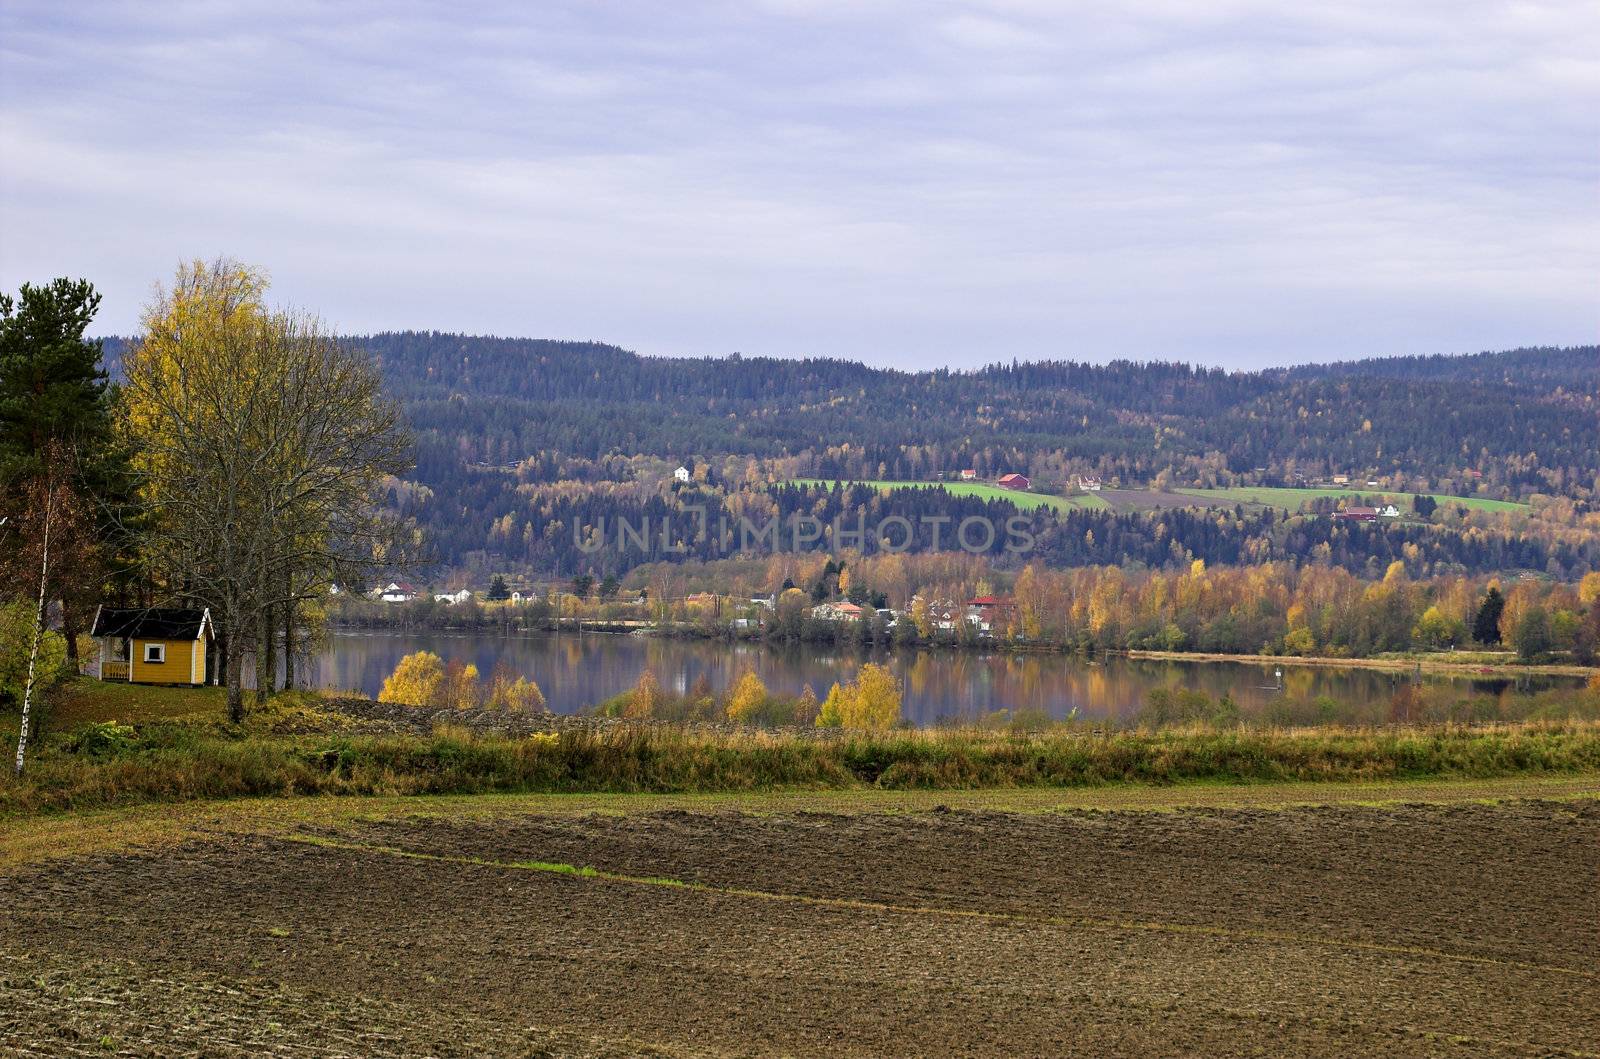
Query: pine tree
[[52, 385], [1486, 627], [54, 399]]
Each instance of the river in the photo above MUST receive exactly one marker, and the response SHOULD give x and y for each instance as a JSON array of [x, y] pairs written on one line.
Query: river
[[576, 671]]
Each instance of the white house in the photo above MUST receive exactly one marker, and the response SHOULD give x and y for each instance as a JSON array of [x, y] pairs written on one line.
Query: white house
[[1089, 483], [1389, 511], [516, 597], [397, 592], [453, 597], [681, 474]]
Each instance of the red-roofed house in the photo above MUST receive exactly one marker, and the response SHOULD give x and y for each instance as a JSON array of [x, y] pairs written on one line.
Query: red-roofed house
[[1013, 481], [836, 612]]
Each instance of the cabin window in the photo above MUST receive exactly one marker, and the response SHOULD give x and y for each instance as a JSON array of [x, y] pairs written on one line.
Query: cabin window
[[155, 652]]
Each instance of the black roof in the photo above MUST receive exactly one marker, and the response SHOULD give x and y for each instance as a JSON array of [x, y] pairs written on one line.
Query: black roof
[[148, 623]]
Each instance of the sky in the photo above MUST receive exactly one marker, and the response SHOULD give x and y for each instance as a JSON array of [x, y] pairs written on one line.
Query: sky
[[910, 183]]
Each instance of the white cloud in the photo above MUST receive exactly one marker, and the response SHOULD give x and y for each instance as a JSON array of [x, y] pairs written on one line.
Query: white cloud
[[1236, 182]]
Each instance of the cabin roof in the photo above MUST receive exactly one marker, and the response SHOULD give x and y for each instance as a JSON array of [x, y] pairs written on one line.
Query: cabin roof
[[150, 623]]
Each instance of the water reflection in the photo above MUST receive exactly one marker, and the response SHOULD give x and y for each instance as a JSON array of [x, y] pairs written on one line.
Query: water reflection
[[941, 686]]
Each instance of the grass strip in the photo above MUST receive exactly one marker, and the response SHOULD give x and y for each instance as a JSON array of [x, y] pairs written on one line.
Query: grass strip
[[175, 763]]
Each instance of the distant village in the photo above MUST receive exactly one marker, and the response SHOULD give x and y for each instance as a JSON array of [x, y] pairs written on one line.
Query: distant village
[[979, 616]]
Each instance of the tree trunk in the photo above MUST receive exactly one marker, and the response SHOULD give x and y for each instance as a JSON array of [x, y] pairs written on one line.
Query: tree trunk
[[69, 629], [288, 645], [266, 663], [38, 634], [234, 665]]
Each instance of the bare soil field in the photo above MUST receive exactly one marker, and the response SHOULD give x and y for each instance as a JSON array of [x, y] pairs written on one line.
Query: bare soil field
[[1400, 929]]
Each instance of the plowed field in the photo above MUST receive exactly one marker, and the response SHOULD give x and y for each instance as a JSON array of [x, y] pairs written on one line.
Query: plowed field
[[1464, 929]]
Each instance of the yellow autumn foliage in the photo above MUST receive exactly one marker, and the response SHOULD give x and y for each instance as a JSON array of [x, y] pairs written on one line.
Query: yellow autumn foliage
[[416, 681], [749, 695]]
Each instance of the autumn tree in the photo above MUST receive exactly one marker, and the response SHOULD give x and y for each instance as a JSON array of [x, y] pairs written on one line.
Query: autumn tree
[[416, 681], [262, 444], [806, 707], [838, 705], [510, 691], [748, 698], [1531, 637], [877, 698], [646, 698], [461, 688], [1436, 629], [871, 701]]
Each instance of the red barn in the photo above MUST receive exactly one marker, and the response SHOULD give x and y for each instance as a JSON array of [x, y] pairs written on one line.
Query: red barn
[[1358, 514], [1013, 481]]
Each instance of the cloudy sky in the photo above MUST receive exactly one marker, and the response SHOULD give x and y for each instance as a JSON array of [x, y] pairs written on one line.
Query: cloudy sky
[[907, 182]]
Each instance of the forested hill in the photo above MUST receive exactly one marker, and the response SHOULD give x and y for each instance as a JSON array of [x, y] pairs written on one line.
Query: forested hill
[[1513, 423], [1546, 367], [1525, 420], [520, 441]]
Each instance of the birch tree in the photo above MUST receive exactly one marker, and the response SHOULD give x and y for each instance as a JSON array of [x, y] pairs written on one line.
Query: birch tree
[[45, 532]]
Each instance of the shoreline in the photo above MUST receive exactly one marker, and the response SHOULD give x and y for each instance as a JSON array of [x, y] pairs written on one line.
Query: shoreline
[[1386, 664]]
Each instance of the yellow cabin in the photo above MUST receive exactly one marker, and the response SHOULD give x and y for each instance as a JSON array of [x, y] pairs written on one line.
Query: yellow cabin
[[160, 645]]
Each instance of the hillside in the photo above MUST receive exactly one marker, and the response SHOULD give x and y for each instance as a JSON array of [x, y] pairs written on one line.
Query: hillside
[[518, 438]]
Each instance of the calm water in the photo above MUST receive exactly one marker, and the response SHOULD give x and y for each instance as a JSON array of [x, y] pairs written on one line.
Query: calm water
[[577, 671]]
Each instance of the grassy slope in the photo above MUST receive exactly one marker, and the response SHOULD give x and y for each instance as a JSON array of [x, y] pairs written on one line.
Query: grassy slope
[[1294, 499], [181, 750], [983, 491], [182, 763]]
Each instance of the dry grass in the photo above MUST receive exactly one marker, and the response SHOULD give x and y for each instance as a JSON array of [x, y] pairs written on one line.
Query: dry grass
[[99, 768]]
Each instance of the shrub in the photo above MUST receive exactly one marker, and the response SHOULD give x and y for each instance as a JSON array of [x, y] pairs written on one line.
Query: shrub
[[102, 739]]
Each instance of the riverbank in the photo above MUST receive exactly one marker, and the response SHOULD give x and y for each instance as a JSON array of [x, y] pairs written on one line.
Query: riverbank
[[308, 745], [1409, 664]]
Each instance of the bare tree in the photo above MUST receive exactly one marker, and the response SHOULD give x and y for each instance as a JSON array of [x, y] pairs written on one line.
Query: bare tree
[[263, 442]]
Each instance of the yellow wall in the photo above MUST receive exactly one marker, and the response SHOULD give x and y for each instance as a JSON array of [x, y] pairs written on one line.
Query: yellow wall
[[177, 669]]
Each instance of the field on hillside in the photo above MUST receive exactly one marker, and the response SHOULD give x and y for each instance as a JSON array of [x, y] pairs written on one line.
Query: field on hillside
[[1293, 499], [1148, 499], [1392, 929], [982, 490]]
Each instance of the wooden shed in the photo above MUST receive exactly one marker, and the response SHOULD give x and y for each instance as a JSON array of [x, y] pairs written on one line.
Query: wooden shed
[[155, 645]]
